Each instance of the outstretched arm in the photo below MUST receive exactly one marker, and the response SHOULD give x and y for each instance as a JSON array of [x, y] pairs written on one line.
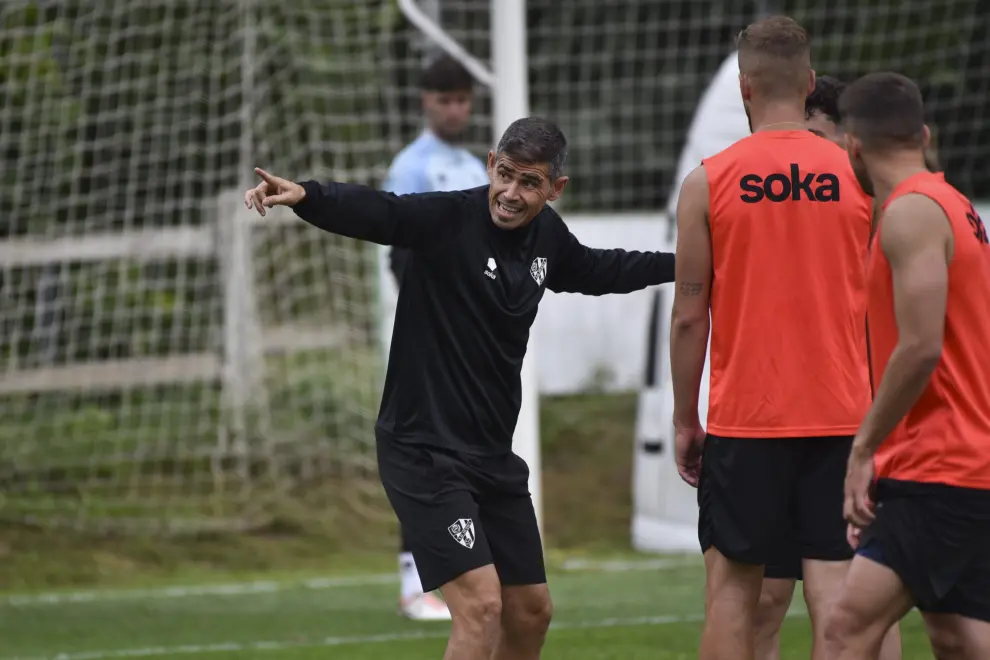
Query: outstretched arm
[[916, 238], [360, 211], [596, 272], [689, 322]]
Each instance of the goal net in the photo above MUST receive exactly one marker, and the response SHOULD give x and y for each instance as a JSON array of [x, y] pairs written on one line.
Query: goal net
[[169, 363]]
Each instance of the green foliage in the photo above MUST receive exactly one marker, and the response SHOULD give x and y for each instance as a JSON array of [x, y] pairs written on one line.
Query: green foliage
[[928, 41], [39, 115], [78, 457], [315, 395], [109, 310]]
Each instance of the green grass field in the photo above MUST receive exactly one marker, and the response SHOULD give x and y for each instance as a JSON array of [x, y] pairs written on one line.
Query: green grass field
[[293, 593], [629, 609]]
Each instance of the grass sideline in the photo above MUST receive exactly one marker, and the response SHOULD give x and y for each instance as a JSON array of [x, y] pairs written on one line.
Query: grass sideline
[[281, 595], [587, 444], [643, 610]]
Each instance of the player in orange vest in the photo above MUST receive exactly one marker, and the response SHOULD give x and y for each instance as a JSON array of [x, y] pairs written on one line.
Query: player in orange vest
[[772, 241], [923, 527]]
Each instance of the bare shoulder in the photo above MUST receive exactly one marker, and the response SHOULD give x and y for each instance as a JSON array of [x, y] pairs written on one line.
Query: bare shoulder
[[913, 222], [694, 191], [696, 181]]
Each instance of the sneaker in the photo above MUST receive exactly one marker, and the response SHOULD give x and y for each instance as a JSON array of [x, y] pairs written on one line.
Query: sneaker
[[424, 607]]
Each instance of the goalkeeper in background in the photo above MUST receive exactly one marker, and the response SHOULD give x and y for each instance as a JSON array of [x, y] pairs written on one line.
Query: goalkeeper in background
[[435, 161]]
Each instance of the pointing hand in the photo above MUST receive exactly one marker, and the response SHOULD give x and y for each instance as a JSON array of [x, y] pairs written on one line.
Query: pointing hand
[[272, 191]]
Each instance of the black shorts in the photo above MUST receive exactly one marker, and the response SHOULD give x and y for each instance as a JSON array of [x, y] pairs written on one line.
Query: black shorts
[[774, 501], [937, 539], [785, 562], [460, 512]]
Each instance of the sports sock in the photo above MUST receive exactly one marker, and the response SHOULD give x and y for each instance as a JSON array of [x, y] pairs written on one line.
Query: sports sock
[[409, 577]]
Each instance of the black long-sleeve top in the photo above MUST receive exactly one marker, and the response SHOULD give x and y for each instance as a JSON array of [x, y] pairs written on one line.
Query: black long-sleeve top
[[468, 297]]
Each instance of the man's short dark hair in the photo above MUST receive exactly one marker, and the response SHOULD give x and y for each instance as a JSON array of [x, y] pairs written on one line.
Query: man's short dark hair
[[775, 54], [884, 110], [533, 141], [824, 99], [445, 74]]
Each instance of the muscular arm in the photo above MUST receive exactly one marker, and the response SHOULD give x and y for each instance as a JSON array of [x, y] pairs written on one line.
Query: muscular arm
[[916, 238], [597, 272], [365, 213], [689, 322]]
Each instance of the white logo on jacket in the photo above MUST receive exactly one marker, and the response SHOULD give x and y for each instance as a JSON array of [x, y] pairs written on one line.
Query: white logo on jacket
[[490, 271], [539, 269]]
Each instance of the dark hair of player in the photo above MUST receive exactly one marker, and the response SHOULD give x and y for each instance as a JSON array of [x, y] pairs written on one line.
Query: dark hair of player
[[445, 74], [884, 110], [775, 54], [534, 141], [825, 98]]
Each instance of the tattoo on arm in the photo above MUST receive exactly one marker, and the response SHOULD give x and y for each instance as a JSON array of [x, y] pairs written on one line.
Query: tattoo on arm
[[691, 288]]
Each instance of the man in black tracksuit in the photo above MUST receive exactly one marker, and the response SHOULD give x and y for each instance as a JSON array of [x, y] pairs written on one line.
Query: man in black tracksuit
[[479, 263]]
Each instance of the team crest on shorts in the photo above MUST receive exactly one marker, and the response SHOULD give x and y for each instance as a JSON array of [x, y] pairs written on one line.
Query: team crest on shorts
[[463, 532], [539, 269]]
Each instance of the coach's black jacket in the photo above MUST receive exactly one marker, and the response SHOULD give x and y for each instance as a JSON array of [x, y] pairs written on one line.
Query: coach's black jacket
[[468, 296]]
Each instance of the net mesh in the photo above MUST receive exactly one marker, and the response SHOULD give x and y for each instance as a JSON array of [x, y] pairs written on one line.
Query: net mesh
[[163, 368], [623, 77]]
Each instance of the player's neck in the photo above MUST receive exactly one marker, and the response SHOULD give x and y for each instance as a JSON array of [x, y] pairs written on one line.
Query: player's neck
[[778, 116], [449, 141], [894, 169]]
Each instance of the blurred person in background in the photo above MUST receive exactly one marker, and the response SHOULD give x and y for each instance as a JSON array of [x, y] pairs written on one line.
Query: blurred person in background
[[435, 161]]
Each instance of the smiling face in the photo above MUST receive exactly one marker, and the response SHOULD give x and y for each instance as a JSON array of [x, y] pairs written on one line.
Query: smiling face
[[519, 191]]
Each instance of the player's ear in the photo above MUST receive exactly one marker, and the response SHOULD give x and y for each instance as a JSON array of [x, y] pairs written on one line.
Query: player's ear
[[557, 188], [811, 82], [491, 162], [853, 145], [926, 136], [745, 87]]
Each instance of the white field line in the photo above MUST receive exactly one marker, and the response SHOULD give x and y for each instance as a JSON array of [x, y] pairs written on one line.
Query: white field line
[[272, 586], [244, 647], [284, 645], [627, 565]]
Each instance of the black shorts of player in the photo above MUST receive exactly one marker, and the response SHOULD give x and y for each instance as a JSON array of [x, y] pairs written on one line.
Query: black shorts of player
[[460, 512], [785, 562], [774, 501], [937, 539]]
